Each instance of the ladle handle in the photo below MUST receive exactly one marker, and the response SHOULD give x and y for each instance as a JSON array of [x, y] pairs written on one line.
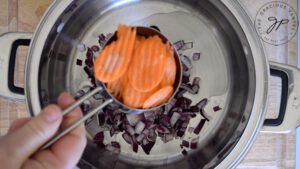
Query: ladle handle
[[84, 118]]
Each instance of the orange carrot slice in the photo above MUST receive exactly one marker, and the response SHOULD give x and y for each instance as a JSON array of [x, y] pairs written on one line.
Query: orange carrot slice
[[134, 98], [147, 65], [140, 38], [158, 97], [116, 87], [170, 71], [113, 61]]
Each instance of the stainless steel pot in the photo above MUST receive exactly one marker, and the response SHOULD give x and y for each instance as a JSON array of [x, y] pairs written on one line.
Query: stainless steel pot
[[233, 68]]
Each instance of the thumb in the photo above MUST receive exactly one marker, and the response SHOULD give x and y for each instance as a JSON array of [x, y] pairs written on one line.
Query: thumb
[[21, 144]]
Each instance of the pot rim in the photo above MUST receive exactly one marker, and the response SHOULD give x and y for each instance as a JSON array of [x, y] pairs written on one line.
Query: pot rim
[[260, 63]]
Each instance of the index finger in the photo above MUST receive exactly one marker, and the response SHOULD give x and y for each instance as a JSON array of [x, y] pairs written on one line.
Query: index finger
[[70, 147]]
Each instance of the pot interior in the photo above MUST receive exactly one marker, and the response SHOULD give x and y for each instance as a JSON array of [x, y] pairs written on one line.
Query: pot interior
[[226, 69]]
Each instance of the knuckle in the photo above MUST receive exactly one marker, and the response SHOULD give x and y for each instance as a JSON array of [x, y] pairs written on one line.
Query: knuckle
[[36, 129]]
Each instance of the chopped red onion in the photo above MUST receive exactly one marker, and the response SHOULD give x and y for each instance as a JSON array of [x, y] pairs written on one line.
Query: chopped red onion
[[112, 131], [186, 73], [199, 126], [174, 118], [188, 88], [99, 138], [194, 143], [184, 152], [102, 36], [192, 109], [102, 40], [79, 94], [196, 56], [152, 135], [130, 130], [79, 62], [205, 115], [162, 129], [184, 67], [147, 148], [195, 88], [180, 94], [167, 138], [202, 103], [134, 144], [164, 120], [95, 48], [139, 127], [148, 115], [133, 119], [85, 106], [101, 119], [180, 133], [146, 132], [108, 36], [88, 71], [186, 61], [126, 137], [145, 141], [196, 80], [98, 96], [89, 62], [185, 143], [185, 79], [140, 138], [89, 54], [217, 108], [188, 45], [179, 44], [115, 144]]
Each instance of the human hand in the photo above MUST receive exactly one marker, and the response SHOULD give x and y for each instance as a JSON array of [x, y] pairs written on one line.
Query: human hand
[[27, 135]]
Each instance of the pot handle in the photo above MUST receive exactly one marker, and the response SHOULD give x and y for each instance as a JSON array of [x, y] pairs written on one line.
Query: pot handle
[[9, 43], [289, 112]]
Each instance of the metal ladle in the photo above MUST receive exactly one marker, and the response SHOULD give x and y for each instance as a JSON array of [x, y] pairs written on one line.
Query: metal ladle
[[141, 31]]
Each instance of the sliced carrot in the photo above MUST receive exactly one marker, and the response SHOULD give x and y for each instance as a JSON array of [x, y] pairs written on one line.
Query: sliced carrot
[[140, 38], [170, 71], [158, 97], [134, 98], [113, 61], [147, 65]]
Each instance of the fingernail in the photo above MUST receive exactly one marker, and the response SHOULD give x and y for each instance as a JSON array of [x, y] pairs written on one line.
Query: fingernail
[[51, 114]]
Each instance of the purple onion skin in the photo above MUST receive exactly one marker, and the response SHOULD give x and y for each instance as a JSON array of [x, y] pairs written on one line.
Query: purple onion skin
[[196, 56], [79, 62], [116, 144], [199, 126], [179, 44], [185, 143], [194, 145], [217, 108], [99, 138], [95, 48], [101, 119], [127, 137], [184, 152], [134, 144], [202, 103], [204, 115], [148, 147]]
